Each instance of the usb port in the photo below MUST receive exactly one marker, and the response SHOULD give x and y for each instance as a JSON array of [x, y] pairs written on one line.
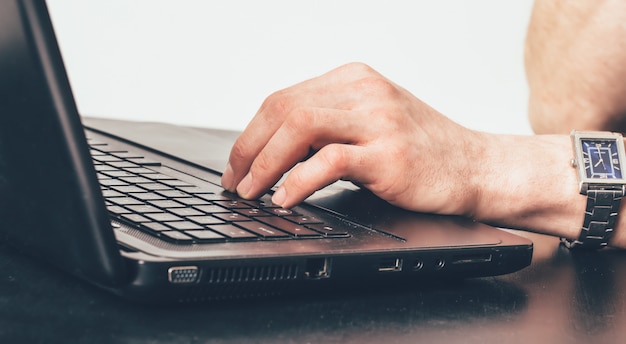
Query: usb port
[[390, 264]]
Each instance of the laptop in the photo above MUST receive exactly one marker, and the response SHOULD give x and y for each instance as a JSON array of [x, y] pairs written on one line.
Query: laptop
[[152, 226]]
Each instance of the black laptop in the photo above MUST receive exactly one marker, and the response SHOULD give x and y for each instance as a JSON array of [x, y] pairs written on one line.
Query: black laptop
[[157, 228]]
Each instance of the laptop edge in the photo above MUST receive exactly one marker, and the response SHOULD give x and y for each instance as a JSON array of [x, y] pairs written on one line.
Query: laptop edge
[[51, 206]]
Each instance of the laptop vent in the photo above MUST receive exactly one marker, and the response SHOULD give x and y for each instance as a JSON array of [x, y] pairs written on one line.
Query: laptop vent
[[241, 274]]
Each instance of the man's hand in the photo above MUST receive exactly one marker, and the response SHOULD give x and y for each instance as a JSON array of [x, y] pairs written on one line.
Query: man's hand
[[354, 124]]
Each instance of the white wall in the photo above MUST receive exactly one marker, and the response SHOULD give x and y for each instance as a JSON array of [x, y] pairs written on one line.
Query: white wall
[[211, 63]]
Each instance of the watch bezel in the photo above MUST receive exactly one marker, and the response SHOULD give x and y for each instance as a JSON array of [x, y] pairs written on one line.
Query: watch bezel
[[584, 181]]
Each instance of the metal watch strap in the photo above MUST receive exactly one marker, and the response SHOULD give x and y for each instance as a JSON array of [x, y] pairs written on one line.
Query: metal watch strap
[[600, 216]]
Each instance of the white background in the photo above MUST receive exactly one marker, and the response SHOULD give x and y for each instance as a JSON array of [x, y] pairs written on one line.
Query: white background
[[211, 63]]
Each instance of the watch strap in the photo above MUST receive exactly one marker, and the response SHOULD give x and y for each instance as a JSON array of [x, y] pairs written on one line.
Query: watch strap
[[600, 216]]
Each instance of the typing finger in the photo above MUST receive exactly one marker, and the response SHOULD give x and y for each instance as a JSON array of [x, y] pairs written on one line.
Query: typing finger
[[329, 164], [303, 130]]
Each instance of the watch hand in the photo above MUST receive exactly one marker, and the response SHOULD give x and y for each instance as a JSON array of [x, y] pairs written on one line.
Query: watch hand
[[602, 161]]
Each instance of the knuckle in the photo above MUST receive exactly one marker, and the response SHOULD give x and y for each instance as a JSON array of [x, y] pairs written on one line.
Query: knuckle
[[297, 182], [358, 68], [379, 86], [261, 165], [277, 104], [334, 156], [300, 121], [240, 150]]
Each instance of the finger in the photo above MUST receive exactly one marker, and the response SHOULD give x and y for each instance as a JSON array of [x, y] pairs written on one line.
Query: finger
[[331, 163], [340, 89], [303, 130]]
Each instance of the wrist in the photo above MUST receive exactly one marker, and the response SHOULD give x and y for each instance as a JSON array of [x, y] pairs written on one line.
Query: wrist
[[527, 182]]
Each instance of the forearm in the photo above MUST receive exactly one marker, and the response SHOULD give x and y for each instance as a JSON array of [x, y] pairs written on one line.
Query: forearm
[[576, 66], [529, 184]]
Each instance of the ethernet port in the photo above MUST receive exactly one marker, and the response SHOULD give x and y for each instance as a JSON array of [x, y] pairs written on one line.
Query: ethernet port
[[317, 268]]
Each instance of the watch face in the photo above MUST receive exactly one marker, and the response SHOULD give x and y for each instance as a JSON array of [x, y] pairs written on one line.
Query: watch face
[[601, 159]]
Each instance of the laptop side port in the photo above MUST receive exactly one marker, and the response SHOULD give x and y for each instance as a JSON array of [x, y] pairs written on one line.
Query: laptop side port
[[183, 274], [418, 265], [439, 263], [317, 268], [472, 258], [390, 264]]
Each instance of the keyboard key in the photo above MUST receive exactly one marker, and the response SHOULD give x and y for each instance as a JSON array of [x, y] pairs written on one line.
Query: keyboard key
[[232, 204], [126, 188], [123, 164], [172, 193], [303, 220], [289, 227], [105, 158], [116, 209], [126, 155], [262, 230], [144, 208], [183, 225], [154, 175], [144, 162], [147, 196], [118, 173], [175, 182], [232, 217], [164, 217], [112, 182], [111, 193], [156, 226], [102, 176], [218, 196], [192, 201], [328, 231], [196, 189], [135, 218], [104, 168], [139, 170], [211, 208], [136, 180], [205, 235], [166, 204], [205, 220], [233, 232], [124, 200], [155, 186], [282, 211], [262, 204], [107, 149], [176, 235], [186, 212], [253, 212]]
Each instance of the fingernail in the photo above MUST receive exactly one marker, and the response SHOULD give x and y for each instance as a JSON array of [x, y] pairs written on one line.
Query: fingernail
[[243, 189], [228, 177], [279, 196]]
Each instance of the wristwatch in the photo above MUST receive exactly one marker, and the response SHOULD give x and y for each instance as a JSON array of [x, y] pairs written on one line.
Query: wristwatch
[[599, 158]]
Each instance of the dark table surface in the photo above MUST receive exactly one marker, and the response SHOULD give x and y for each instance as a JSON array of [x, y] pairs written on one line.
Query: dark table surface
[[563, 297]]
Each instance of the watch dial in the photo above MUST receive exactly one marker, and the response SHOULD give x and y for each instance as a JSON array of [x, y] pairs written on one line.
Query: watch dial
[[600, 159]]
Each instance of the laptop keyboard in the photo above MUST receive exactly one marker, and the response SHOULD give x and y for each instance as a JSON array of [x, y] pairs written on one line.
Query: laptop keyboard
[[139, 194]]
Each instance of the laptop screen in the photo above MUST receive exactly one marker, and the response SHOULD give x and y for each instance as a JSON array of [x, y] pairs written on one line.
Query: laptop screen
[[53, 206]]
